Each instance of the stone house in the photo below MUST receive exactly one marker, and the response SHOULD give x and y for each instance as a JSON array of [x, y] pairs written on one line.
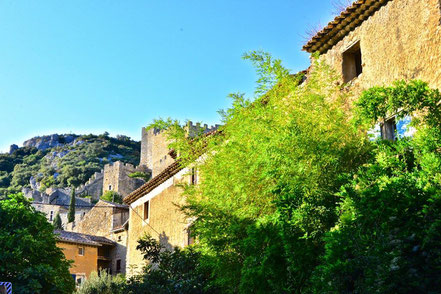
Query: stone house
[[57, 201], [88, 253], [109, 220], [154, 207], [376, 42]]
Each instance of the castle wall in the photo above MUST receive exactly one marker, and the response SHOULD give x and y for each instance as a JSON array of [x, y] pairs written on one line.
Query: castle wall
[[116, 178], [402, 40]]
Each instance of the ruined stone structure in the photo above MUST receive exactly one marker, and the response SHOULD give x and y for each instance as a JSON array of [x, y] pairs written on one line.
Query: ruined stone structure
[[56, 201], [108, 220], [116, 177], [154, 146], [93, 187], [376, 42]]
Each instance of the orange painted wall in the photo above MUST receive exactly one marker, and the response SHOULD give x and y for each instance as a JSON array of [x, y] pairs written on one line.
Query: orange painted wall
[[82, 264]]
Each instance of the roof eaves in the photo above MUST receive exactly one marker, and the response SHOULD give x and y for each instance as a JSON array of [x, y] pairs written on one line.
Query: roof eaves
[[350, 18]]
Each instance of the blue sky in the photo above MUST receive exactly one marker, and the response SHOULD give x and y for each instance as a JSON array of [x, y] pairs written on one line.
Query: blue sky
[[94, 66]]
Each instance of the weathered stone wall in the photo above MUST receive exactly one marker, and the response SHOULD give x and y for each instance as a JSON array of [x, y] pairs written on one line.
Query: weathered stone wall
[[101, 221], [119, 251], [400, 41], [154, 150], [93, 187], [82, 264], [116, 178], [98, 221], [166, 222]]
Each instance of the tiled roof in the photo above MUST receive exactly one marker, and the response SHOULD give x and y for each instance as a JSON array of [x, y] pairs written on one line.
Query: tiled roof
[[113, 204], [166, 174], [78, 238], [350, 18]]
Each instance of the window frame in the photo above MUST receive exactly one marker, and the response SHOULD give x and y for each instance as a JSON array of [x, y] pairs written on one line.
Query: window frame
[[146, 210], [352, 62], [81, 250]]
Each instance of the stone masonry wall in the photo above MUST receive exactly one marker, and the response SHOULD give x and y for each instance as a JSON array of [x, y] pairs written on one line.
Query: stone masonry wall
[[101, 221], [400, 41], [166, 222], [116, 178]]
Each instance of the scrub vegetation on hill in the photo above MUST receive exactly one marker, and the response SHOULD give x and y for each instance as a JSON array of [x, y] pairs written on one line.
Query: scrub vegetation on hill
[[65, 165]]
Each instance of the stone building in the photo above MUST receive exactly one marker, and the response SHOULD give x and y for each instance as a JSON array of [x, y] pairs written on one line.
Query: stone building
[[57, 201], [109, 220], [154, 146], [376, 42], [88, 253], [154, 207], [116, 177]]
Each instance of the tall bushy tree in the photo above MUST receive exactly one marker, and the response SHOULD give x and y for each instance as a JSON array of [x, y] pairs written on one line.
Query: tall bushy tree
[[71, 213], [29, 257], [269, 180], [57, 222]]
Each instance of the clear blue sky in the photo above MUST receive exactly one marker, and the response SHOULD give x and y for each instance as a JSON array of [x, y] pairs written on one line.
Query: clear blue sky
[[94, 66]]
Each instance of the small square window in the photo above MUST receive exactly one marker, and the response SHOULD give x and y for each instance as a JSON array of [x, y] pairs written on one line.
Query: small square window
[[352, 63], [146, 210], [81, 251]]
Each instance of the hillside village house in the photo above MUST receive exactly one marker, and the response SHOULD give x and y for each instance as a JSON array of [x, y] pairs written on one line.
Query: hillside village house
[[376, 42], [109, 220], [89, 253], [154, 207]]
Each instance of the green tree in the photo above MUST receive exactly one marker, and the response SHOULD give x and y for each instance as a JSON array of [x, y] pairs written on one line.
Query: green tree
[[57, 222], [29, 257], [112, 196], [71, 213], [170, 271], [270, 177], [389, 229], [103, 283]]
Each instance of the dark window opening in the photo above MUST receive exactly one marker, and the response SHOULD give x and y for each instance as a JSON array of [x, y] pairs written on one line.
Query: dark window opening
[[190, 239], [194, 179], [388, 129], [352, 63], [118, 265], [146, 210]]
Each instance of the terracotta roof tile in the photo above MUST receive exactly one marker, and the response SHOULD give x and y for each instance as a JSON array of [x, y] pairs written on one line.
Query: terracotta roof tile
[[166, 174], [350, 18]]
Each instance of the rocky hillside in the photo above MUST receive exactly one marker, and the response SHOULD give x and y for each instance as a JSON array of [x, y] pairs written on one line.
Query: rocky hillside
[[62, 160]]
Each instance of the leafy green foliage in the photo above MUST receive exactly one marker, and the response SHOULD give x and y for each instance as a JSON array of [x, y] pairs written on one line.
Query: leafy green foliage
[[141, 175], [57, 222], [66, 165], [71, 213], [112, 196], [178, 271], [29, 257], [388, 233], [103, 283], [269, 181]]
